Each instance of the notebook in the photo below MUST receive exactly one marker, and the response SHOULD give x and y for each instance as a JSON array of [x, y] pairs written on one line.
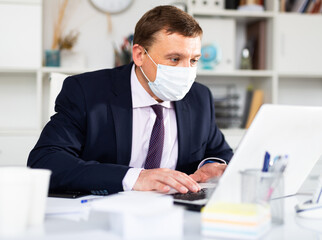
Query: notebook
[[278, 129]]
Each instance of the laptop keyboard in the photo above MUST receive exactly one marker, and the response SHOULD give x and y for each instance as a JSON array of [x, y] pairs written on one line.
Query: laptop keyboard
[[191, 196]]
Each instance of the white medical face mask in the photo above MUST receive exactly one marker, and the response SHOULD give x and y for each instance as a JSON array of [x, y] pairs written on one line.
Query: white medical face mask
[[171, 83]]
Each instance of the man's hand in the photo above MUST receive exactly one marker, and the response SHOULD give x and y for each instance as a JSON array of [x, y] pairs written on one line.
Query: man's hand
[[161, 179], [208, 171]]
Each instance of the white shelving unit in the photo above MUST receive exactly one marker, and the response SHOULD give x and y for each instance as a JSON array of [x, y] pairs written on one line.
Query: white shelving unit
[[286, 80], [293, 73]]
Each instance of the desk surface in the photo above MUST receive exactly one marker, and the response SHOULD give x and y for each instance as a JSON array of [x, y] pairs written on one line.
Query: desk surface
[[97, 226]]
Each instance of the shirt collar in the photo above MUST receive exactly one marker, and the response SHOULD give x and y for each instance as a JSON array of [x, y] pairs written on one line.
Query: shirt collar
[[140, 97]]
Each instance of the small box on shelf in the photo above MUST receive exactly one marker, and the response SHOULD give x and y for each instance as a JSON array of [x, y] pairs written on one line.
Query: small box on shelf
[[206, 6], [227, 106]]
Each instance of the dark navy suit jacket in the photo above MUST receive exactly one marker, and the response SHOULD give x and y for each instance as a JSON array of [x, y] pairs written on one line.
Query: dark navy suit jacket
[[87, 143]]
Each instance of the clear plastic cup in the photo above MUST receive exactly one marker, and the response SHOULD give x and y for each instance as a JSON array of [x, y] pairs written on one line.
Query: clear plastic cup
[[261, 188]]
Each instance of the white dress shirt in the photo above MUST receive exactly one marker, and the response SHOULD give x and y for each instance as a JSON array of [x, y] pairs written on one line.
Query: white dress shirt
[[143, 121]]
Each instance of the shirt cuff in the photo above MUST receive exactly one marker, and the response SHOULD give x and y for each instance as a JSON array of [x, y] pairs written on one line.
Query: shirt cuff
[[130, 178], [212, 159]]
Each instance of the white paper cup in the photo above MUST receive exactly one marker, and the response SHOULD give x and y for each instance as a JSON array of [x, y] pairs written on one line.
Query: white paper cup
[[39, 191], [15, 189]]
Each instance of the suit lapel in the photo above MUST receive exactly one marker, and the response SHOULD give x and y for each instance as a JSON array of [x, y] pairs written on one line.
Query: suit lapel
[[184, 130], [121, 106]]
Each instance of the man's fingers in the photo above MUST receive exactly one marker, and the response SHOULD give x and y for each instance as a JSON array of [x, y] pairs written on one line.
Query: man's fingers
[[182, 182], [162, 188], [174, 182], [162, 179]]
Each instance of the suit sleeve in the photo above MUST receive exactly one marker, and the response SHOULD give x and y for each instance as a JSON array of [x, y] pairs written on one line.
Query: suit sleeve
[[217, 146], [60, 146]]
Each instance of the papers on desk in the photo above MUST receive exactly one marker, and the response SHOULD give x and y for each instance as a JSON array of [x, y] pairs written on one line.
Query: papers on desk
[[235, 220], [134, 202], [142, 215], [71, 209]]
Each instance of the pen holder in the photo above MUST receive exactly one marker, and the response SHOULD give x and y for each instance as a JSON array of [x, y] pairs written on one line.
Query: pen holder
[[264, 188]]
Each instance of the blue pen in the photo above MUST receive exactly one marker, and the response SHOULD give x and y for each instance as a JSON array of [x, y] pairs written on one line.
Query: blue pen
[[266, 162], [90, 199]]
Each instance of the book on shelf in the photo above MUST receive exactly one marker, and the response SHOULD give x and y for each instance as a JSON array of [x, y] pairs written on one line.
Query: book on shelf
[[310, 6], [293, 5], [317, 7], [301, 6], [282, 5], [255, 104], [248, 99], [304, 6], [231, 4], [256, 37]]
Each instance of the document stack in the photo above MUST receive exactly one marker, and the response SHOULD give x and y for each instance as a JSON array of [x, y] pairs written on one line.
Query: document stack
[[142, 215], [235, 220]]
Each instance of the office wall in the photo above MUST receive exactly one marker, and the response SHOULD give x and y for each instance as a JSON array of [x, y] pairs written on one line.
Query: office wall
[[95, 41]]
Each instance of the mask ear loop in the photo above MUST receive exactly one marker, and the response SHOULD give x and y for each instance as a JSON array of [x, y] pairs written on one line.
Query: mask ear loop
[[152, 61], [144, 74], [150, 57]]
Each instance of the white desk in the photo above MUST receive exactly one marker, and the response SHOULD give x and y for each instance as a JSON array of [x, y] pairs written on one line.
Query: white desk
[[97, 226]]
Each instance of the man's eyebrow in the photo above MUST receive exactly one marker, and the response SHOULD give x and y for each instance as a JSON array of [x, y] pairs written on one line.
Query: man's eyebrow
[[177, 54], [174, 54]]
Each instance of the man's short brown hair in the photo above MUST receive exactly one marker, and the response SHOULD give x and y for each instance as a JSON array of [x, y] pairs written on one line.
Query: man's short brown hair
[[168, 18]]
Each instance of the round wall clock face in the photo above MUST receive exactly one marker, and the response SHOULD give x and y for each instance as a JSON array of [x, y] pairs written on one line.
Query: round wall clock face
[[111, 6]]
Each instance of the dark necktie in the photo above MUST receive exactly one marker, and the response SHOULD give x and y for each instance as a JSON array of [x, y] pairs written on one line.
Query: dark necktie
[[153, 158]]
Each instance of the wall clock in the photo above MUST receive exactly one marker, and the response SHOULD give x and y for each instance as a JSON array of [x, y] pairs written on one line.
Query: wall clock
[[111, 6]]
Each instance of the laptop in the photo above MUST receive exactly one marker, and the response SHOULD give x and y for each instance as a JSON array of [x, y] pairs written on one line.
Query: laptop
[[278, 129], [195, 201]]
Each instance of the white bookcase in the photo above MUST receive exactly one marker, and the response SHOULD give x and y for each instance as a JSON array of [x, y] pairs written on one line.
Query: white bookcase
[[293, 74]]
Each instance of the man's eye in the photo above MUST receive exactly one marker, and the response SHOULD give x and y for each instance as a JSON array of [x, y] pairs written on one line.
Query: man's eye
[[194, 61], [174, 60]]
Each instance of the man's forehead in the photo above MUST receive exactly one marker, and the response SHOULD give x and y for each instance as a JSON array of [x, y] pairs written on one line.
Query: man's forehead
[[166, 34], [177, 44]]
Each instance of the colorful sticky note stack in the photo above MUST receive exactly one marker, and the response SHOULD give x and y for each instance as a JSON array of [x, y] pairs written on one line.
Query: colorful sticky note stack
[[235, 220]]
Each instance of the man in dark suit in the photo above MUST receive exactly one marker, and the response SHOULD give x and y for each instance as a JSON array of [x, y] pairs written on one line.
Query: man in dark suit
[[144, 126]]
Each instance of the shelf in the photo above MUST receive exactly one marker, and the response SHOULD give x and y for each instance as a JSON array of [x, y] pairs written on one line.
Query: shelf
[[19, 132], [44, 70], [299, 75], [236, 73], [65, 70], [238, 15], [299, 14], [18, 70], [234, 131]]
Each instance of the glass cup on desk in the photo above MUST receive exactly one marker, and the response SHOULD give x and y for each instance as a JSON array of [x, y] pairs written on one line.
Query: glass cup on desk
[[264, 188]]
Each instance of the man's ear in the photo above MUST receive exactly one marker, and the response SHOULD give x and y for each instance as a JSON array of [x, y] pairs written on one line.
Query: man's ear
[[137, 54]]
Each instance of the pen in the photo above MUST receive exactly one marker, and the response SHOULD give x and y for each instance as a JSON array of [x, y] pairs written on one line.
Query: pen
[[280, 168], [280, 165], [266, 162], [90, 199]]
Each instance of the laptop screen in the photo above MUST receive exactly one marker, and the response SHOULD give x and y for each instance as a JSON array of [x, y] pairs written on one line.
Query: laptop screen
[[278, 129]]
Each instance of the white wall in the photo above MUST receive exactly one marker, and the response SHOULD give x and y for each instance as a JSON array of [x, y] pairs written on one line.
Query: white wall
[[94, 40]]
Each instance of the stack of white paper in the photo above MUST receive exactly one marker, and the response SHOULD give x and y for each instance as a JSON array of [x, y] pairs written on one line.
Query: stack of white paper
[[71, 209], [140, 215]]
